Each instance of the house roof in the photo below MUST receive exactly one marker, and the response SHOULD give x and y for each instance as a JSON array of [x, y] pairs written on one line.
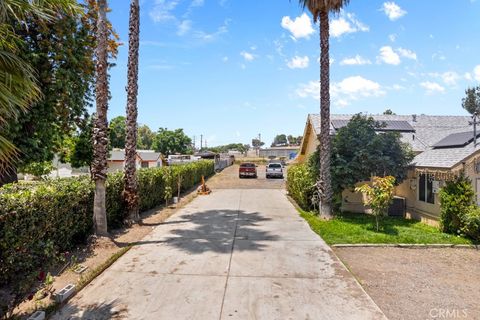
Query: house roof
[[145, 155], [428, 129], [445, 158], [149, 155], [117, 155]]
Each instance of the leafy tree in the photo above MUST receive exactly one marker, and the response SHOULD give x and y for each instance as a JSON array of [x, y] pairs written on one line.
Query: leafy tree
[[77, 149], [388, 112], [294, 141], [117, 132], [56, 49], [471, 102], [130, 194], [358, 152], [232, 146], [38, 169], [280, 140], [145, 138], [19, 87], [256, 143], [379, 195], [320, 11], [170, 142]]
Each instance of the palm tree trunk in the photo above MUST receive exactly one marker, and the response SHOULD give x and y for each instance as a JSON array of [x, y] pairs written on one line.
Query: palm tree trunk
[[100, 131], [324, 184], [131, 188]]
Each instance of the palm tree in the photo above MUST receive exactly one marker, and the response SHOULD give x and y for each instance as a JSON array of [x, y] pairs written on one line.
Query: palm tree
[[130, 192], [320, 10], [100, 130], [18, 86]]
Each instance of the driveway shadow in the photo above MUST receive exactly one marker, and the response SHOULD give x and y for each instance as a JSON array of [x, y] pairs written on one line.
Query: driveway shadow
[[102, 311], [214, 230]]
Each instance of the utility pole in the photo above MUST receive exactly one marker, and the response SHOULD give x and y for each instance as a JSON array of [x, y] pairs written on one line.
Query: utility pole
[[194, 143], [201, 142], [474, 122]]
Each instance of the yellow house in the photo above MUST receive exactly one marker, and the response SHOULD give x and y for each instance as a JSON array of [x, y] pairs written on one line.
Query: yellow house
[[443, 146]]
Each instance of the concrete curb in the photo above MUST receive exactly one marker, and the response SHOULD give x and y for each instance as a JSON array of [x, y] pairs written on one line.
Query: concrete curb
[[406, 245]]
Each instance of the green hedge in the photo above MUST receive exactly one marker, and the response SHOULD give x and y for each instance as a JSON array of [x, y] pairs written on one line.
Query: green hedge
[[39, 220], [300, 185]]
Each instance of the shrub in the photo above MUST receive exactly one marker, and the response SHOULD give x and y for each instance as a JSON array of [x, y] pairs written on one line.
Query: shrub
[[471, 223], [379, 195], [39, 220], [301, 185], [456, 199]]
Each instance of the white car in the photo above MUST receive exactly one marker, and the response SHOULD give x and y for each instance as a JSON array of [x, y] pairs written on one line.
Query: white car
[[274, 170]]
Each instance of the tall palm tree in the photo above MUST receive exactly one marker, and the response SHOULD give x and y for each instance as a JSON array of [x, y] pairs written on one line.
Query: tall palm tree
[[100, 130], [18, 86], [131, 193], [320, 10]]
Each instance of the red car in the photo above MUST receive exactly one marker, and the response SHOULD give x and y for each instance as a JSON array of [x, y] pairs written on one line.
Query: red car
[[247, 169]]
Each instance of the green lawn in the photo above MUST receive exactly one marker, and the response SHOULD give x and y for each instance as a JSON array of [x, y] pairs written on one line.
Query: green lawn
[[350, 228]]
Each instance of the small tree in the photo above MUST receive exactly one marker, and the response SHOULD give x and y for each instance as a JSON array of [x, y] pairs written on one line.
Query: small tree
[[471, 102], [379, 195]]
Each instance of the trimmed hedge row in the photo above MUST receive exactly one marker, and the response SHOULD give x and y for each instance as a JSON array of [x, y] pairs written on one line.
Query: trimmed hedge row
[[39, 220], [300, 185]]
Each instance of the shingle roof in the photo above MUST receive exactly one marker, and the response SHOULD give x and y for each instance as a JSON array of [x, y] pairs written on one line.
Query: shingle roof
[[145, 155], [149, 155], [117, 155], [428, 129], [444, 157]]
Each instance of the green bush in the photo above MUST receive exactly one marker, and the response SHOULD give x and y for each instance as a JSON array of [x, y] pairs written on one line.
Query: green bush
[[301, 185], [456, 199], [471, 223], [39, 220]]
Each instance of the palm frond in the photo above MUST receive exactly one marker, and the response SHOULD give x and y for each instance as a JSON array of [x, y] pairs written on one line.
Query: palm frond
[[8, 154], [317, 6], [43, 9]]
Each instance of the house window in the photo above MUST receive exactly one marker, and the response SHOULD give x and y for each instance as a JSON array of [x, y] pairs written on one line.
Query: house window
[[425, 188], [144, 164]]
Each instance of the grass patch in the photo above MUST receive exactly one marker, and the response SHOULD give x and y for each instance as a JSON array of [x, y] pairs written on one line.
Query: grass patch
[[351, 228]]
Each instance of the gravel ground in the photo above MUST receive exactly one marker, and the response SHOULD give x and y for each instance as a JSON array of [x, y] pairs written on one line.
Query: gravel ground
[[229, 180], [433, 283]]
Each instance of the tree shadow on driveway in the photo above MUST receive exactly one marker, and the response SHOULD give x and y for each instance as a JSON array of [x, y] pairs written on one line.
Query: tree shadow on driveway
[[214, 230]]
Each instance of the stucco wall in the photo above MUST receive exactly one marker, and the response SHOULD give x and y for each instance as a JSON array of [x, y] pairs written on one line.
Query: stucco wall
[[311, 144]]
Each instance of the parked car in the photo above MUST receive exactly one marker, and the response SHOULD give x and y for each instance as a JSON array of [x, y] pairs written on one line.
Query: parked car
[[274, 170], [247, 169]]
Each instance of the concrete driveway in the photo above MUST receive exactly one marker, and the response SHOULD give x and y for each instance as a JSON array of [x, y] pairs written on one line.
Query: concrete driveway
[[235, 254]]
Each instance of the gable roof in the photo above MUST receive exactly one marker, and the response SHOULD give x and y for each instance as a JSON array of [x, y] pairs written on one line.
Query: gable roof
[[428, 129], [149, 155]]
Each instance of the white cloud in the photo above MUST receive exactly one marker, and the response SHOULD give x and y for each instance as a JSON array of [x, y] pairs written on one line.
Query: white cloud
[[432, 87], [343, 92], [357, 60], [184, 27], [298, 62], [247, 56], [209, 37], [225, 59], [346, 23], [450, 78], [468, 76], [476, 73], [392, 37], [301, 27], [407, 53], [197, 3], [388, 56], [393, 11], [162, 10]]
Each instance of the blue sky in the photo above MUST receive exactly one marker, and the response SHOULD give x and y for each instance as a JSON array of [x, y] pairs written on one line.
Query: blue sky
[[231, 69]]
